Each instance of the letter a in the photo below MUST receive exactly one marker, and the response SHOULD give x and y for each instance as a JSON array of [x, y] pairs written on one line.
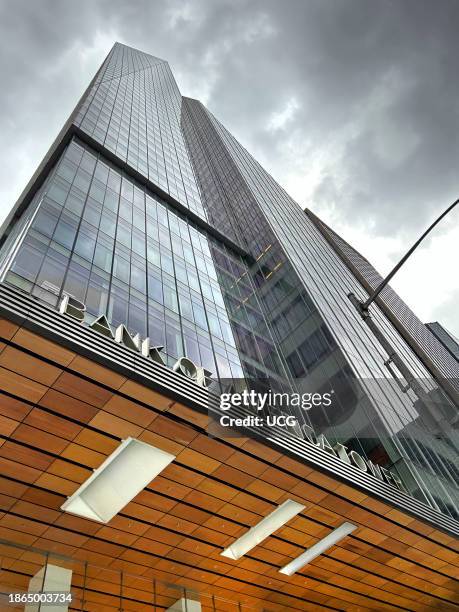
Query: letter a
[[102, 326]]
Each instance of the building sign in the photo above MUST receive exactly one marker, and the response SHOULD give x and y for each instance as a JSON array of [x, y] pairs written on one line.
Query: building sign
[[254, 403], [352, 457], [76, 309]]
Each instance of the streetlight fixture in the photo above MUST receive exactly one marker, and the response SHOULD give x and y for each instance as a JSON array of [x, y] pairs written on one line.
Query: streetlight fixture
[[363, 306], [363, 309]]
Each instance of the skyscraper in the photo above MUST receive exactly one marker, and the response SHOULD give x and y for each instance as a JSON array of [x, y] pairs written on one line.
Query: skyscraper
[[447, 339], [149, 234]]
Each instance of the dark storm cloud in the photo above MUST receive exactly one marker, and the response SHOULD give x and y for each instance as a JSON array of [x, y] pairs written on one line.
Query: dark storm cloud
[[375, 79], [358, 100]]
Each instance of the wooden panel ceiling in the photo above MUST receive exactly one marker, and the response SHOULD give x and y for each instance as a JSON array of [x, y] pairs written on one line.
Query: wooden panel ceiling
[[61, 416]]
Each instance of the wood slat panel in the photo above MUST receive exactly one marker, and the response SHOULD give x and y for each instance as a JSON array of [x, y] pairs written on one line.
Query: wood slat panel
[[57, 426]]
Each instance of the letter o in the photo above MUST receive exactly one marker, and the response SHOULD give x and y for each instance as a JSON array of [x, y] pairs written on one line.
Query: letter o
[[358, 461], [186, 367]]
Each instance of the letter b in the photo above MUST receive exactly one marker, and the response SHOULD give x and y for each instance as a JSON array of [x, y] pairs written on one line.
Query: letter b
[[72, 307]]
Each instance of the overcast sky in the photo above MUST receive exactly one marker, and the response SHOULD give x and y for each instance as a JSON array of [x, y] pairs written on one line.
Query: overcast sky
[[352, 105]]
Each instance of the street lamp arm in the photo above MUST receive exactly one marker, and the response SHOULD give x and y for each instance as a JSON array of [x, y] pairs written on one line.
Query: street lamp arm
[[386, 280]]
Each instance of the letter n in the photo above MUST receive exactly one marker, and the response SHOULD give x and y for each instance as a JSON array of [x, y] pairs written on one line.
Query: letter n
[[375, 469], [123, 336]]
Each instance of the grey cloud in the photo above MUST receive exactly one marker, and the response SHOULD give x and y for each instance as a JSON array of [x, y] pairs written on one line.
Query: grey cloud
[[338, 59], [375, 86]]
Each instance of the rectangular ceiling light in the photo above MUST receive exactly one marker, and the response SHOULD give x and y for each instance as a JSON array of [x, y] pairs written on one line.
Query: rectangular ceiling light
[[322, 545], [263, 529], [125, 473]]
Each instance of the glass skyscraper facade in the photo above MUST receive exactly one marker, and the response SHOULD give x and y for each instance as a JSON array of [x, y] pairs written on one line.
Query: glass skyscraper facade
[[450, 343], [153, 214]]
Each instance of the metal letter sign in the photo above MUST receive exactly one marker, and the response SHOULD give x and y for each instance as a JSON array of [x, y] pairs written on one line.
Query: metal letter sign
[[72, 307], [76, 309]]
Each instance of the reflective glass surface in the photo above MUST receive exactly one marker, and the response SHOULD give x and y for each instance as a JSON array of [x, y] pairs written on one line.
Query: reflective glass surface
[[280, 313], [316, 327], [133, 109]]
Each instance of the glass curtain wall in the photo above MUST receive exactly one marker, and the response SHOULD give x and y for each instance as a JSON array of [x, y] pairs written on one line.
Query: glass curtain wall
[[280, 313]]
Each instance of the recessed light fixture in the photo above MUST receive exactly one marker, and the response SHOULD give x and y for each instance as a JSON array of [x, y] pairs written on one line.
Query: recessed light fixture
[[118, 480], [322, 545], [271, 523]]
